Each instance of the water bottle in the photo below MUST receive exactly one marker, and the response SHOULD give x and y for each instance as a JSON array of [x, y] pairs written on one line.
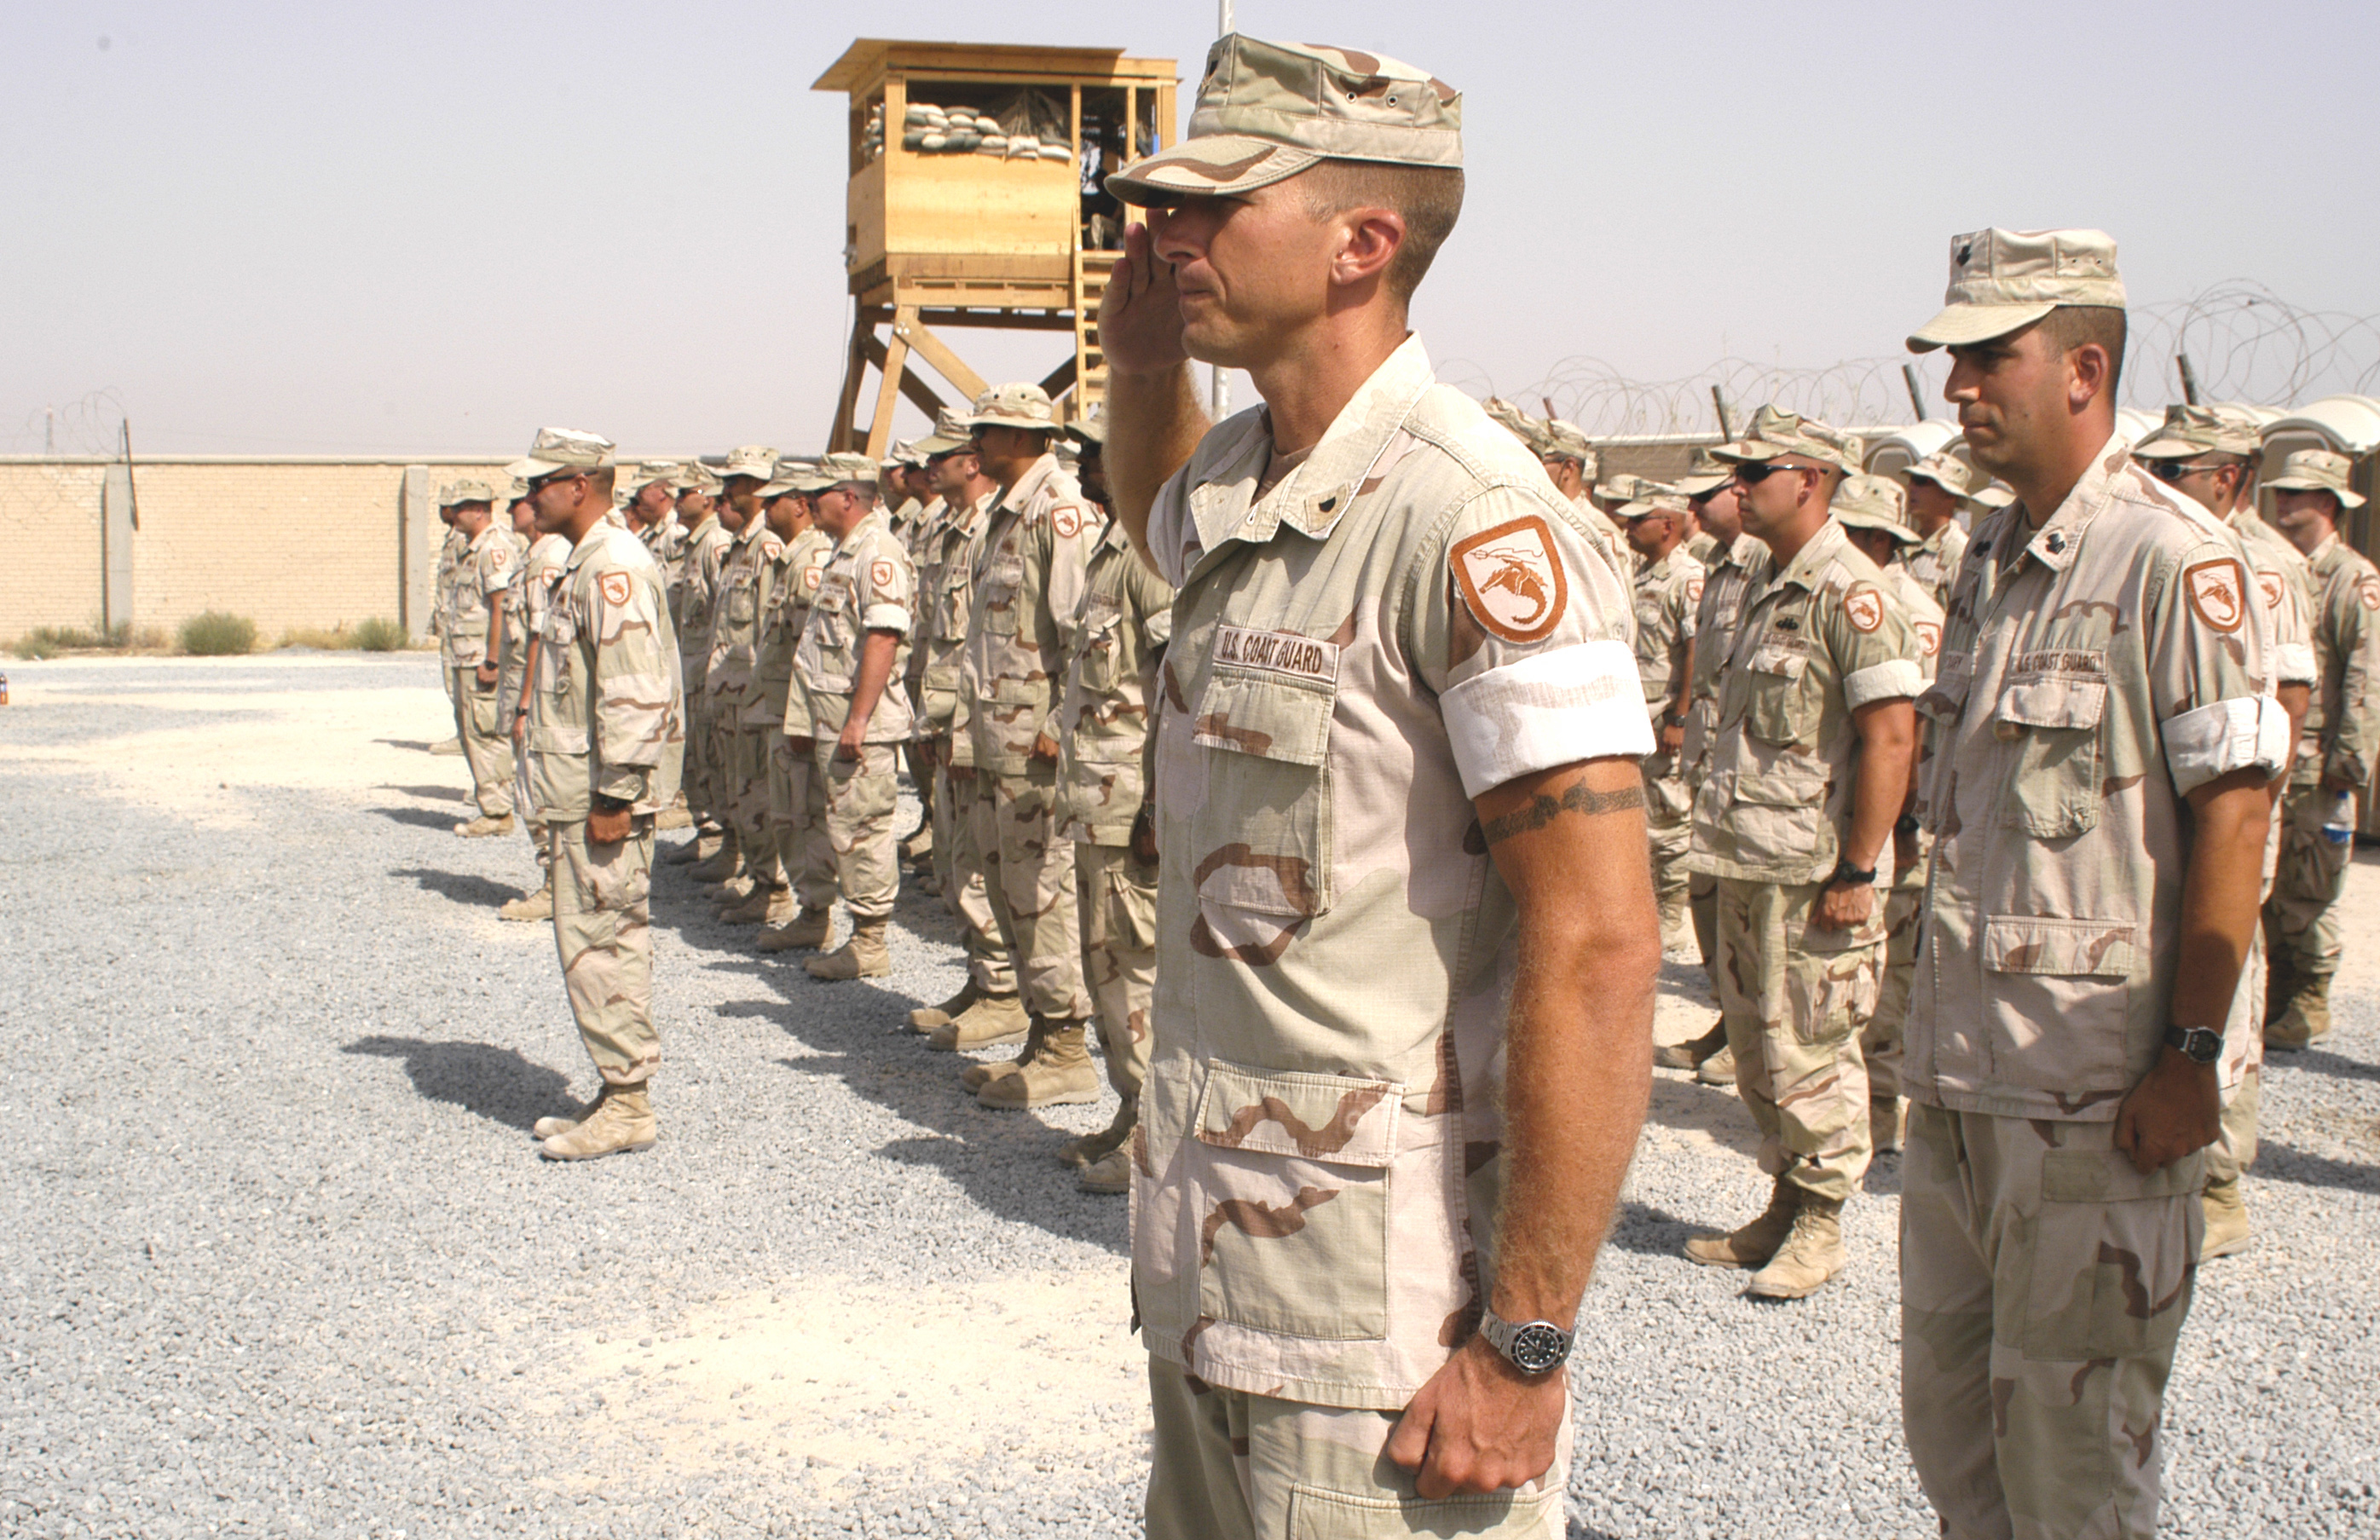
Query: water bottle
[[2340, 828]]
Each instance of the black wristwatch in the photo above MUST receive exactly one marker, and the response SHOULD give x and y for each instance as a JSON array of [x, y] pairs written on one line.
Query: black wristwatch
[[2200, 1045], [1847, 875], [1673, 719], [1532, 1347]]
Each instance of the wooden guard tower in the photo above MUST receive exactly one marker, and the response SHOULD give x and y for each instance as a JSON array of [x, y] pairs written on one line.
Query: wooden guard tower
[[974, 202]]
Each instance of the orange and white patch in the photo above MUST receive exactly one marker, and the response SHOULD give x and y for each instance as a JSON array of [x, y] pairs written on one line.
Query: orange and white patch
[[1864, 607], [2218, 591], [810, 577], [615, 586], [2269, 585], [1512, 579], [1929, 637], [500, 557], [2368, 591], [880, 573], [1067, 520]]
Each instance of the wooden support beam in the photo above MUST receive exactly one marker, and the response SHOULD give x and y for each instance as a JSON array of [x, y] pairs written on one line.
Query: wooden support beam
[[927, 399], [1059, 380], [897, 364], [863, 329], [949, 365]]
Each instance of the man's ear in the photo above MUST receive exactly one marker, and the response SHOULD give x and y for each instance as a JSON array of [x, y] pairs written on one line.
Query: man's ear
[[2087, 371], [1372, 239]]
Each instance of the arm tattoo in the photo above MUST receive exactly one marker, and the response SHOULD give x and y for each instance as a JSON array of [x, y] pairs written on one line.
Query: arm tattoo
[[1542, 810]]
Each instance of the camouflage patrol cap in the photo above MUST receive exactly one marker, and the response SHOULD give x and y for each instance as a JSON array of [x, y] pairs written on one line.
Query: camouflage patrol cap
[[1993, 496], [695, 477], [790, 474], [651, 471], [1266, 111], [2318, 470], [950, 432], [1565, 441], [1626, 488], [1706, 474], [465, 492], [1653, 498], [1090, 429], [1874, 503], [1946, 471], [1016, 405], [560, 449], [1776, 434], [2004, 280], [840, 467], [1521, 425], [755, 460], [2188, 431]]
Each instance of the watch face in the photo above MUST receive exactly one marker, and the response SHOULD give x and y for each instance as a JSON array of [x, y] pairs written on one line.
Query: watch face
[[1538, 1347]]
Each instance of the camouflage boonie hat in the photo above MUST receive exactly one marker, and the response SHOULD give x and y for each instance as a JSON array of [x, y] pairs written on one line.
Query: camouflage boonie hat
[[1993, 496], [1706, 474], [2188, 431], [950, 432], [1946, 471], [465, 492], [2318, 470], [1874, 503], [559, 449], [755, 460], [1654, 499], [651, 471], [840, 467], [1266, 111], [1014, 405], [2004, 280], [1566, 440], [1092, 429], [1776, 434]]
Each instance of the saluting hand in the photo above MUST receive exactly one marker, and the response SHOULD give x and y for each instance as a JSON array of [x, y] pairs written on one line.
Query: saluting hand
[[1140, 315]]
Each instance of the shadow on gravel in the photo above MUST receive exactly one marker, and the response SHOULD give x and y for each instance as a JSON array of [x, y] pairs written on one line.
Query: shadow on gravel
[[2314, 1060], [438, 794], [1650, 1231], [2278, 1163], [1681, 1101], [420, 818], [496, 1083], [420, 746], [471, 891]]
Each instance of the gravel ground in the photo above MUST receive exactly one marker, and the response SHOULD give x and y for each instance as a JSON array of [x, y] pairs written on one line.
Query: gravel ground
[[281, 1259]]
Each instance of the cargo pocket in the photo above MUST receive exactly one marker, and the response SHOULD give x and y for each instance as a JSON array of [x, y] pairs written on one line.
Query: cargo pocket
[[1316, 1514], [2053, 716], [1779, 815], [998, 588], [1291, 1189], [1778, 710], [2056, 1001], [2113, 1253], [1261, 837]]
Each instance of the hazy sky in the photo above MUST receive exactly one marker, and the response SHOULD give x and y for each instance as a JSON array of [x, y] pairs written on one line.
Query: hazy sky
[[315, 227]]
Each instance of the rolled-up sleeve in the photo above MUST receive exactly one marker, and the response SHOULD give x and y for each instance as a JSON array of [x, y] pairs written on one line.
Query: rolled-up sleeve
[[2226, 735], [1545, 709]]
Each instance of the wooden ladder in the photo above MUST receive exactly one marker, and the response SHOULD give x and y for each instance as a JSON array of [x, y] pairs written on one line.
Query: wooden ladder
[[1091, 271]]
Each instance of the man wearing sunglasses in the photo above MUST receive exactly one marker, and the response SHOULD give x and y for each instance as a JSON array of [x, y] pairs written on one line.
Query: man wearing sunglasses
[[606, 738], [1937, 488], [1808, 775]]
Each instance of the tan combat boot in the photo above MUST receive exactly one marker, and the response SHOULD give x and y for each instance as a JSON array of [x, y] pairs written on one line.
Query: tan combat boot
[[925, 1018], [447, 749], [1752, 1245], [975, 1077], [721, 863], [1690, 1054], [864, 955], [918, 846], [538, 905], [1109, 1173], [1884, 1124], [929, 881], [674, 818], [1719, 1068], [692, 850], [1060, 1075], [2306, 1020], [2226, 1221], [549, 1128], [808, 928], [1811, 1254], [755, 906], [484, 825], [1092, 1148], [623, 1121], [992, 1019]]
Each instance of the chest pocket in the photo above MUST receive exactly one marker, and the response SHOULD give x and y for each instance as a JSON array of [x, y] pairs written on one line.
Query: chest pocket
[[957, 590], [1096, 663], [1777, 707], [743, 602], [1262, 836], [2053, 715], [1003, 578]]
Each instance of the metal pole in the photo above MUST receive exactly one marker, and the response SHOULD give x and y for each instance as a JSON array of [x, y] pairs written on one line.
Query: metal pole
[[2188, 379], [1916, 396], [1719, 405], [1219, 388]]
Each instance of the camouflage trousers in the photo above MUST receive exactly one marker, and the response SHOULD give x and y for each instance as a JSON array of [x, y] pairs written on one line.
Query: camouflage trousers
[[959, 848], [2043, 1286], [487, 742], [2301, 917], [744, 789], [802, 851], [701, 777], [851, 805], [1028, 873], [1880, 1038], [2240, 1072], [540, 844], [1229, 1465], [1670, 830], [1702, 902], [603, 931], [1793, 999], [1116, 894]]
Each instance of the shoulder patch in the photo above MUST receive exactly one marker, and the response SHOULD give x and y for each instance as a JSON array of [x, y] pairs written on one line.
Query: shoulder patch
[[500, 555], [1929, 637], [1512, 579], [2217, 590], [2269, 585], [2368, 593], [880, 573], [1067, 520], [1694, 590], [617, 588], [1864, 607], [812, 575]]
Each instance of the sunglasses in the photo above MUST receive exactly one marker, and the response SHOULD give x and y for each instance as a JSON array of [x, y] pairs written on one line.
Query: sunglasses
[[2173, 472], [1752, 475]]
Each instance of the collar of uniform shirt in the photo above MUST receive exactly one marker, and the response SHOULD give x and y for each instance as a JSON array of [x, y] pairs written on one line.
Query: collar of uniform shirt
[[2055, 542], [1312, 497], [1029, 484], [1799, 571]]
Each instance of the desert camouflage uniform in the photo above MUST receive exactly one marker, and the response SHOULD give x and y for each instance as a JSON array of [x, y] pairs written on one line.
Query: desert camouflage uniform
[[1317, 1175], [665, 543], [1818, 642], [482, 574], [526, 601], [867, 584], [1027, 586], [946, 710], [740, 749], [2094, 672], [1740, 569], [1880, 1038], [800, 844], [704, 550], [2340, 740], [1934, 561], [1668, 592], [607, 716], [920, 546], [1118, 636]]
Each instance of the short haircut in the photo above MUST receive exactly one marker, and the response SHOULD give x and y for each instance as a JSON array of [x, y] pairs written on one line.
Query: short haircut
[[2073, 326], [599, 480], [1428, 198]]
